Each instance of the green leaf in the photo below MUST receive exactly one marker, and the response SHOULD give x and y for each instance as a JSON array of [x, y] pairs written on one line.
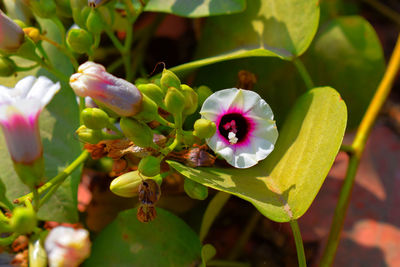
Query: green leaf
[[58, 123], [285, 27], [166, 241], [347, 54], [208, 252], [196, 8], [283, 186]]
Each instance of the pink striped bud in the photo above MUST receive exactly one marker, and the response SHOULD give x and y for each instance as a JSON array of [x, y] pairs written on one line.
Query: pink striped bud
[[11, 35], [114, 93]]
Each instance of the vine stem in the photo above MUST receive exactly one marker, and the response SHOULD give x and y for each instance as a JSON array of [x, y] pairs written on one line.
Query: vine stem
[[358, 147], [299, 243], [303, 73], [59, 179], [385, 10]]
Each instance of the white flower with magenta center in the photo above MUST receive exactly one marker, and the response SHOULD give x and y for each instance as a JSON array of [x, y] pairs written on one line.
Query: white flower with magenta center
[[246, 131]]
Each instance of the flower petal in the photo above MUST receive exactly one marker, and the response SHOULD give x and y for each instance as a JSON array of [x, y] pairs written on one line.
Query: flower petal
[[23, 87], [219, 101]]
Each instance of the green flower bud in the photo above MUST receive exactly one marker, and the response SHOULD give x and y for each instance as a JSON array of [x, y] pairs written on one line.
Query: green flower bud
[[153, 91], [23, 220], [138, 132], [95, 23], [7, 67], [157, 81], [190, 99], [43, 8], [174, 101], [203, 93], [94, 118], [127, 184], [169, 79], [140, 81], [79, 40], [148, 110], [195, 190], [204, 128], [88, 135], [149, 166], [80, 12]]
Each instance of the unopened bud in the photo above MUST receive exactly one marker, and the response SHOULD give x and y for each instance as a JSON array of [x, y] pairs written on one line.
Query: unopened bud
[[31, 174], [79, 40], [88, 135], [153, 91], [94, 118], [204, 128], [23, 220], [32, 33], [203, 93], [43, 8], [174, 101], [127, 184], [138, 132], [149, 166], [169, 79], [12, 36], [7, 67], [148, 110], [140, 81], [190, 99], [195, 190], [95, 23]]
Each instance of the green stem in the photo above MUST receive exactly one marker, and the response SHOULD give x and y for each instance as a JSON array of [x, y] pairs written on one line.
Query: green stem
[[164, 122], [57, 179], [303, 73], [358, 146], [299, 243], [348, 149], [245, 236], [214, 207], [8, 240], [36, 199]]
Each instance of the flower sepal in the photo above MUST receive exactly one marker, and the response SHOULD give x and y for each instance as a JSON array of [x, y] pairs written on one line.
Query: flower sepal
[[149, 166], [30, 174], [169, 79], [148, 110], [204, 128], [88, 135], [7, 67], [138, 132], [174, 101], [191, 99]]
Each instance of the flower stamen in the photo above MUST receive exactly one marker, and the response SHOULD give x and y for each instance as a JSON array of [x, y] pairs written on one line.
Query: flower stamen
[[232, 138]]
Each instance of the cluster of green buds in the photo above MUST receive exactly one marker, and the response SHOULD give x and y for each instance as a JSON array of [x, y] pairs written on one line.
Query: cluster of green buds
[[136, 108]]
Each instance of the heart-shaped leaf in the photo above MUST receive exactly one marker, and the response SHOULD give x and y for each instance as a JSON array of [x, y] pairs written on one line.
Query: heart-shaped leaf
[[283, 186], [166, 241], [196, 8], [347, 54]]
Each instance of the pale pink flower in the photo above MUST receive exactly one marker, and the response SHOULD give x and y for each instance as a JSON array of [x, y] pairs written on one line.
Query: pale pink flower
[[19, 113], [114, 93], [246, 131], [67, 247]]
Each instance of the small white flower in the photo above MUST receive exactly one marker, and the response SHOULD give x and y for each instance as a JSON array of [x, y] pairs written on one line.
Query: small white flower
[[246, 132], [67, 247], [19, 112]]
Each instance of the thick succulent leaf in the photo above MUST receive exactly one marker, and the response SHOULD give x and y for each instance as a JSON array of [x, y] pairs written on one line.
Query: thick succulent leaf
[[283, 186], [57, 126], [196, 8], [166, 241], [285, 27], [347, 54]]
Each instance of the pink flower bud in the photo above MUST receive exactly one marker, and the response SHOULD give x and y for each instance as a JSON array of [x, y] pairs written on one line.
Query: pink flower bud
[[114, 93], [11, 35]]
